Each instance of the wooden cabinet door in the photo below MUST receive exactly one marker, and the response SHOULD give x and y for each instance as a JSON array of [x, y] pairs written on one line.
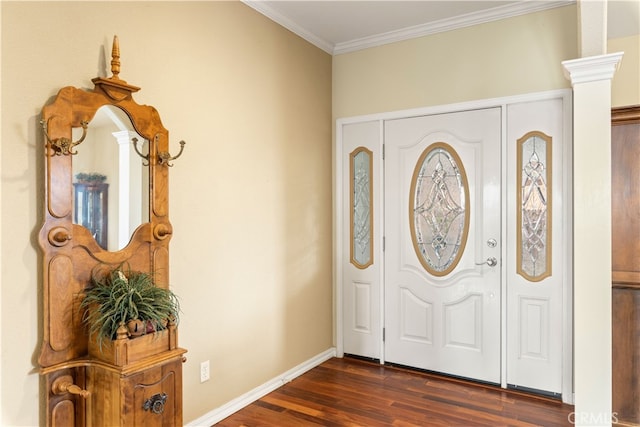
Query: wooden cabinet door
[[156, 397], [149, 395]]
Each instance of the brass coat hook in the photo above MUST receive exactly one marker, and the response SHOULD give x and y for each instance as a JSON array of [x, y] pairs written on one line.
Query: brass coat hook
[[64, 146], [134, 141], [164, 157]]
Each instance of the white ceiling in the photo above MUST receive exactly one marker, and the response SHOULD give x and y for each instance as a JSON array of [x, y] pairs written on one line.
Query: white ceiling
[[339, 26]]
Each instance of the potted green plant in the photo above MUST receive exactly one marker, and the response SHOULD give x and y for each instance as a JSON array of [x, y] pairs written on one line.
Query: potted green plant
[[92, 177], [128, 299]]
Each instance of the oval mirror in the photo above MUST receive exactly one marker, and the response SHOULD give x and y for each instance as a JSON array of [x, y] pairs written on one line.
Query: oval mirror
[[110, 181]]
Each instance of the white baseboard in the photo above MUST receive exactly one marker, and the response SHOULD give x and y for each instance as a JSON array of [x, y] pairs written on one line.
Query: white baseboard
[[222, 412]]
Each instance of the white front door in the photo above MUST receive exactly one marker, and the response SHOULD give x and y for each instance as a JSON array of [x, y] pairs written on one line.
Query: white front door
[[443, 243], [508, 323]]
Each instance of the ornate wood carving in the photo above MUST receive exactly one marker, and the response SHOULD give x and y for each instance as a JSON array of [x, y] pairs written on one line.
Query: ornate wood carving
[[70, 255]]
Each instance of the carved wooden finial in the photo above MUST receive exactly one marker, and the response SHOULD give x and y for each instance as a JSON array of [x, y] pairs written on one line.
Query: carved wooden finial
[[114, 87], [122, 332], [115, 58]]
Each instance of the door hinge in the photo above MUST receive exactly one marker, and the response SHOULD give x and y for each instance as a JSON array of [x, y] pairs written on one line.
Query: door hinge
[[383, 151], [384, 334], [384, 243]]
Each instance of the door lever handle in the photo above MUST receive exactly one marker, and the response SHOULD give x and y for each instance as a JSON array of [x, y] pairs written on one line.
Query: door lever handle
[[491, 262]]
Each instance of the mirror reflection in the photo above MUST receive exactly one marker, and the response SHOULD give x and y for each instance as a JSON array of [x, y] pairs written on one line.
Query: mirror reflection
[[111, 184]]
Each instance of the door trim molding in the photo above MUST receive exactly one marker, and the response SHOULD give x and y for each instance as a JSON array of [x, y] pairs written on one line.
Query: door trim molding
[[567, 291], [340, 228]]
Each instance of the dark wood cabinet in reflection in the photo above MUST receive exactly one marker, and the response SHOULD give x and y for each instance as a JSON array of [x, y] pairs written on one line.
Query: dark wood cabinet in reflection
[[91, 209]]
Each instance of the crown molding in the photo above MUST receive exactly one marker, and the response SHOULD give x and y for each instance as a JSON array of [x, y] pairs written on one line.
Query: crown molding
[[501, 12], [278, 18], [443, 25]]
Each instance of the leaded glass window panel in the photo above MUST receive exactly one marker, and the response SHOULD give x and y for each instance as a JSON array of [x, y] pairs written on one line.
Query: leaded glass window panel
[[439, 209], [361, 167], [534, 206]]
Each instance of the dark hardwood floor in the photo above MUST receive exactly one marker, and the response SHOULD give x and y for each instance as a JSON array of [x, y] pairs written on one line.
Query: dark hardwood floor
[[353, 392]]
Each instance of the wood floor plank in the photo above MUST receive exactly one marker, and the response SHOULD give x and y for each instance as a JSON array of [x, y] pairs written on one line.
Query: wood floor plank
[[350, 392]]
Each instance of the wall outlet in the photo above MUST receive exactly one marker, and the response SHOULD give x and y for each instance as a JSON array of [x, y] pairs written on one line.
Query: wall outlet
[[204, 371]]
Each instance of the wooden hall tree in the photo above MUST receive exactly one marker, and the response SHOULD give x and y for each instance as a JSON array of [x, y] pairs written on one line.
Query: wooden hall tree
[[126, 381]]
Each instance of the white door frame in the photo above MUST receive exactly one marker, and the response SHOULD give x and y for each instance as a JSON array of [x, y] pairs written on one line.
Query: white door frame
[[341, 229]]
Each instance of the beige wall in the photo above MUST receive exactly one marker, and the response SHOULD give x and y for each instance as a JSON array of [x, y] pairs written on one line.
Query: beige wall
[[625, 89], [507, 57], [250, 197]]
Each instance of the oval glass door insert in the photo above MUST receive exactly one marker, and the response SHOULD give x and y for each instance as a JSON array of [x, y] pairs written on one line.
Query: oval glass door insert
[[439, 209]]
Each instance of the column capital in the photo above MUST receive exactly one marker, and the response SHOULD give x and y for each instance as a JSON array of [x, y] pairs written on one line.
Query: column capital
[[592, 68], [123, 137]]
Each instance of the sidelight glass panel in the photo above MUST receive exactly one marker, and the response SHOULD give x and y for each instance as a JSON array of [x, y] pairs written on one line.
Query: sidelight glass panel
[[439, 209], [534, 206], [361, 167]]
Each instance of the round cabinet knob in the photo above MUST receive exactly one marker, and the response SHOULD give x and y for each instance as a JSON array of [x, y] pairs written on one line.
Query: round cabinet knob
[[59, 236], [161, 231]]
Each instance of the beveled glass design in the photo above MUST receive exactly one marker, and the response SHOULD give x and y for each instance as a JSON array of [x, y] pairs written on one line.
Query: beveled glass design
[[361, 207], [439, 209], [533, 209]]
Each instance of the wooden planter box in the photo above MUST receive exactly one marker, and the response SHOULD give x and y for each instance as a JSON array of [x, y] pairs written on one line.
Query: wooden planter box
[[125, 351]]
